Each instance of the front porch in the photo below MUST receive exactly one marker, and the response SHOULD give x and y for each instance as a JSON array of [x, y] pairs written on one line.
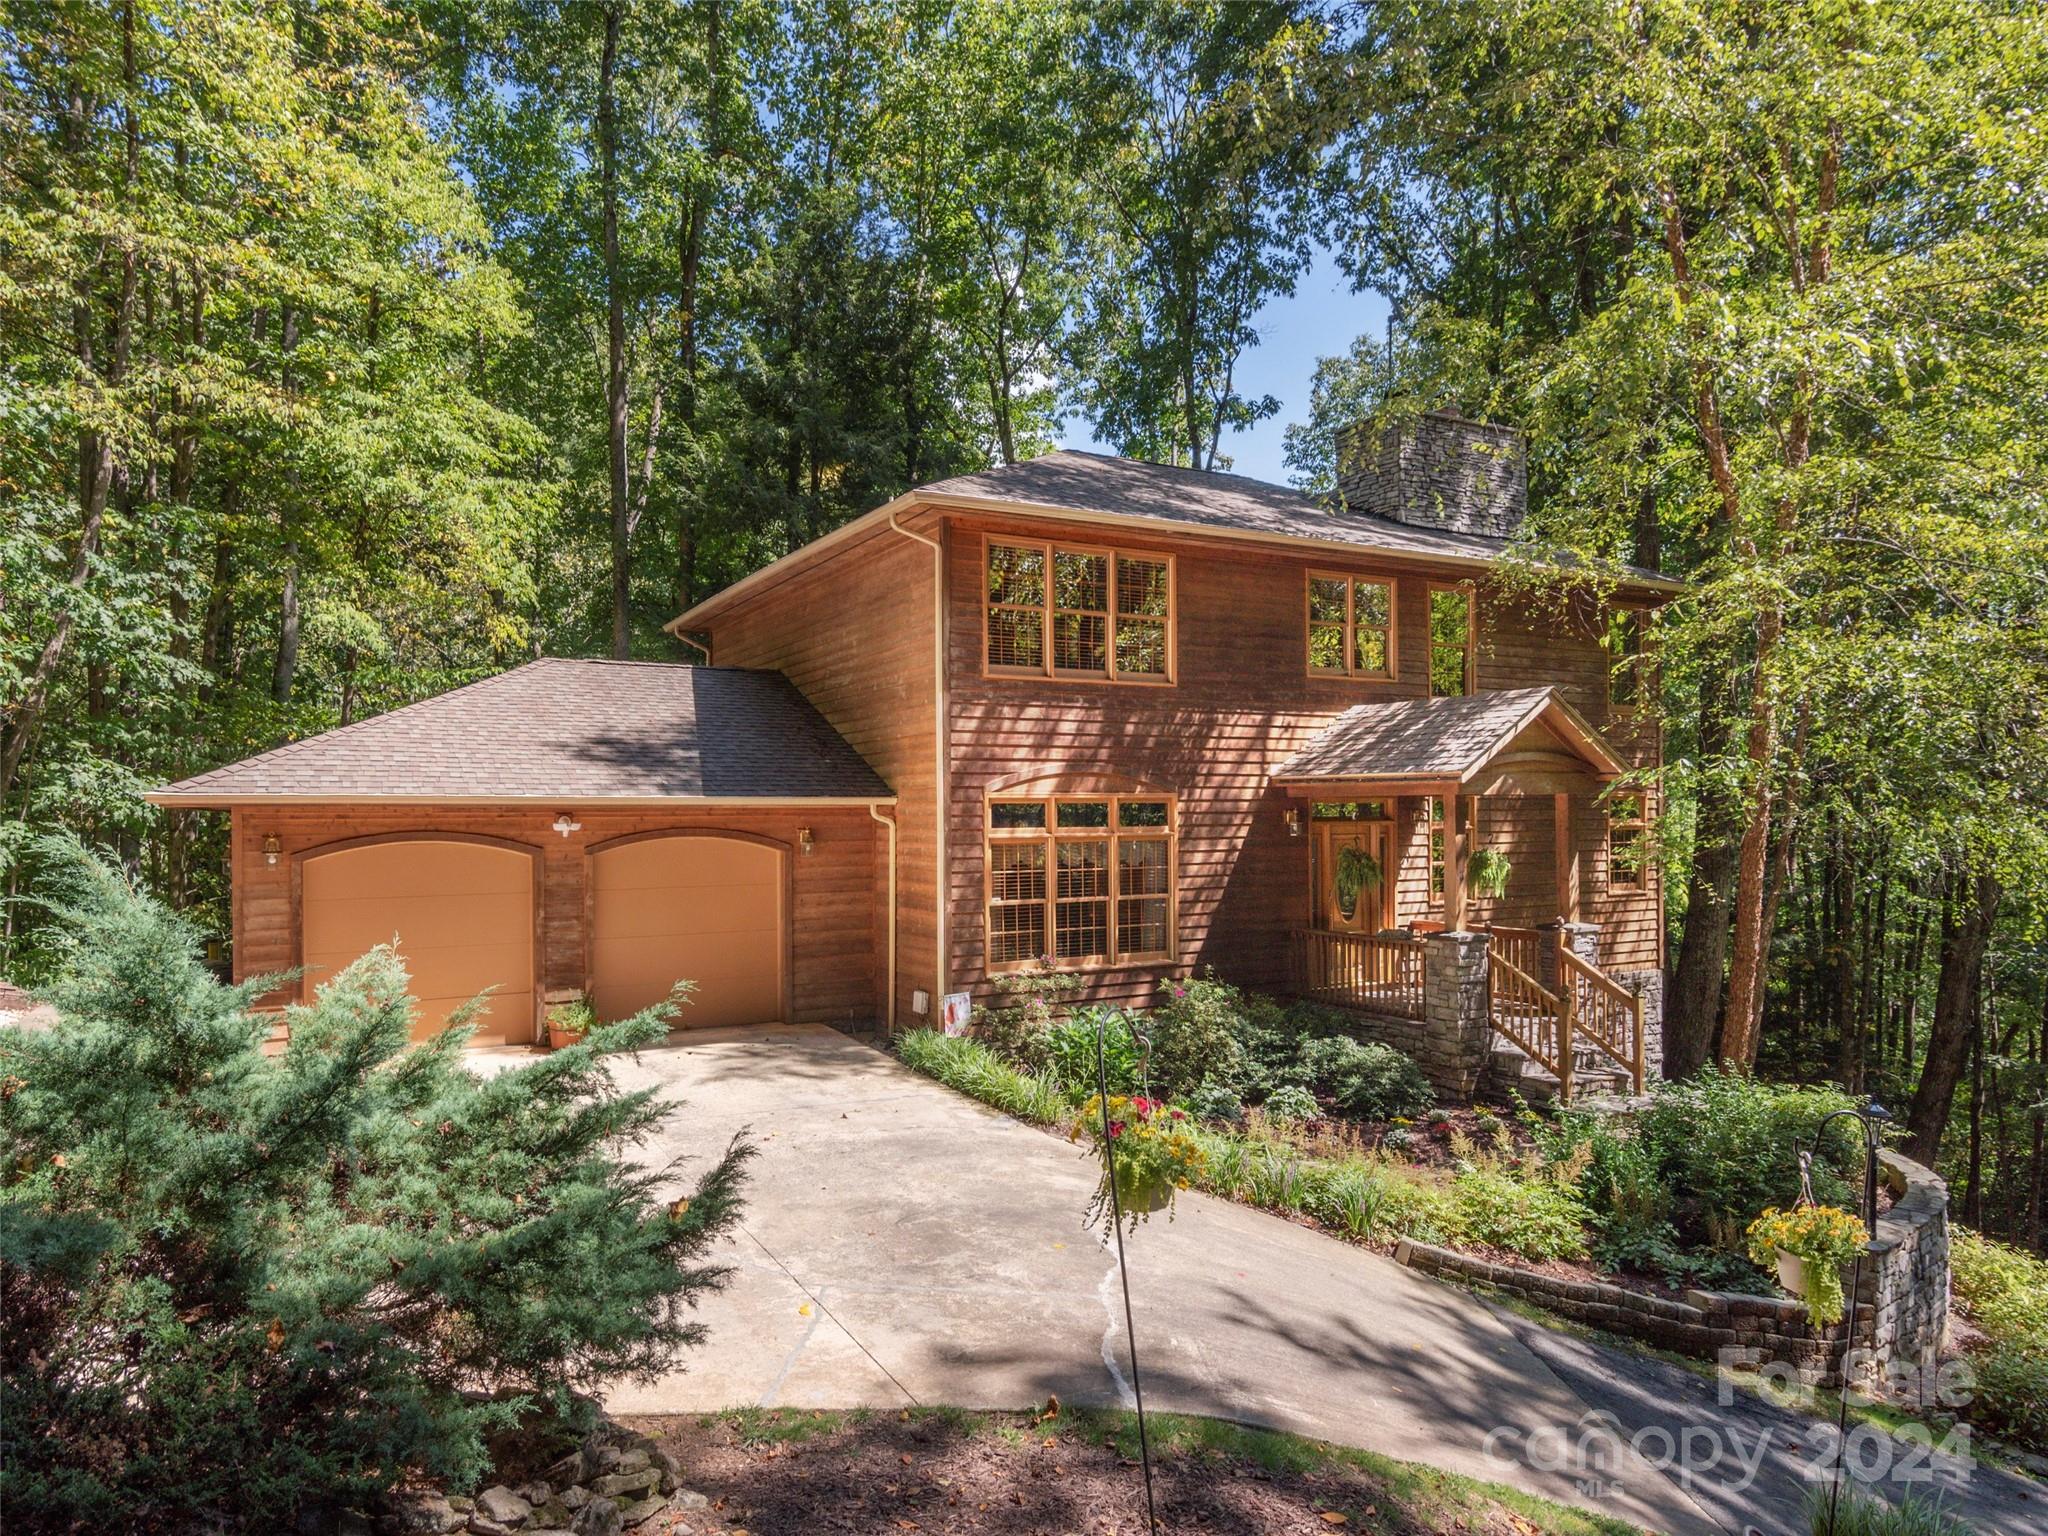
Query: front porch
[[1447, 845]]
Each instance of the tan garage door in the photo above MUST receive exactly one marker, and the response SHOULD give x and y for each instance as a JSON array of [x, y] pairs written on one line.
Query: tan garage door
[[462, 914], [702, 909]]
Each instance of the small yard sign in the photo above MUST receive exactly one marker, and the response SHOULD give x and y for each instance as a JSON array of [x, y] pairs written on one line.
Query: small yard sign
[[953, 1013]]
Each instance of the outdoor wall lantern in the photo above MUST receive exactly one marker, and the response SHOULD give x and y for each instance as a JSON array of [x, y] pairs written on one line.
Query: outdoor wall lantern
[[271, 849], [565, 824], [803, 841], [1293, 816]]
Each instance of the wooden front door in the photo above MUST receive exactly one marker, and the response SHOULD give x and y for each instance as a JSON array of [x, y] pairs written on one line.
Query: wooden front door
[[1372, 907]]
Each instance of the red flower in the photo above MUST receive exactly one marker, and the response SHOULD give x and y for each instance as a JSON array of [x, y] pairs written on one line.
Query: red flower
[[1116, 1129], [1179, 1114], [1142, 1106]]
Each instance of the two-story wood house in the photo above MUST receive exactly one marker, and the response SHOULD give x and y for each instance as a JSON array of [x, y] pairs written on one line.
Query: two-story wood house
[[1116, 717]]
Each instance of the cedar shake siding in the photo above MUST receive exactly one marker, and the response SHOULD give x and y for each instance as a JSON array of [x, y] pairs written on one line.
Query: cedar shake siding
[[835, 972], [854, 633], [1242, 703]]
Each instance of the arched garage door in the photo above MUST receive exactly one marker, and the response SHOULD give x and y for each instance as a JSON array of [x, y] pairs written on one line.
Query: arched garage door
[[702, 909], [462, 914]]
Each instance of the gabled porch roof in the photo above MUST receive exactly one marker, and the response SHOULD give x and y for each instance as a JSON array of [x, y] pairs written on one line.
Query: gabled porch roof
[[1526, 739]]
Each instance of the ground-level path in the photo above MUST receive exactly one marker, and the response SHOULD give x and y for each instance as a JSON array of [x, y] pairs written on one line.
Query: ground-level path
[[903, 1245]]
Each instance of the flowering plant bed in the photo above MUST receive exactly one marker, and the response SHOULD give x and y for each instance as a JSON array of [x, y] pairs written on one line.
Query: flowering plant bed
[[1819, 1240], [1155, 1154]]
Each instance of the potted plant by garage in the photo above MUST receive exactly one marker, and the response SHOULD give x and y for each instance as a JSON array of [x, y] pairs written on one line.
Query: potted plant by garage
[[1150, 1148], [1807, 1246], [569, 1022]]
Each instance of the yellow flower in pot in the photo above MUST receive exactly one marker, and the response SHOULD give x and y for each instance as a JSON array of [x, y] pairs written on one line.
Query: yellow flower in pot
[[1807, 1246], [1155, 1156]]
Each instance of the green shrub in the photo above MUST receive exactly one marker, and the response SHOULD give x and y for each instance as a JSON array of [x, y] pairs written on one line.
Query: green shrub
[[1216, 1104], [967, 1066], [1269, 1036], [2004, 1292], [241, 1285], [1859, 1514], [1532, 1216], [1193, 1031], [1034, 1000], [1371, 1081], [1725, 1145], [1291, 1105], [1070, 1052]]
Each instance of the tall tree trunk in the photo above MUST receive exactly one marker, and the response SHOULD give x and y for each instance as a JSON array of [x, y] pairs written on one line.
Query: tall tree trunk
[[615, 336], [284, 672], [1969, 906], [1695, 1001]]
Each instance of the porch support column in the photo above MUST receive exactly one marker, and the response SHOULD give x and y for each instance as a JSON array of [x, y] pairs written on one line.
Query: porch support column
[[1567, 859], [1455, 852]]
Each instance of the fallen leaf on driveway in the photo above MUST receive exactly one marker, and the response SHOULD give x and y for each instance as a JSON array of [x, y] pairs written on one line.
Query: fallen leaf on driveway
[[1331, 1517]]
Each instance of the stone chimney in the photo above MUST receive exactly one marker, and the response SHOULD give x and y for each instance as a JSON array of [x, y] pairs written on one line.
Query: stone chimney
[[1436, 470]]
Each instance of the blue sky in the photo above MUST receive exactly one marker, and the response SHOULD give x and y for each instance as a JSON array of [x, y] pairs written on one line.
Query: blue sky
[[1320, 319]]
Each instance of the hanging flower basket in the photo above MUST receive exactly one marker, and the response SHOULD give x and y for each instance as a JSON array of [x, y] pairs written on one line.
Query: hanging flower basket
[[1155, 1156], [1807, 1246]]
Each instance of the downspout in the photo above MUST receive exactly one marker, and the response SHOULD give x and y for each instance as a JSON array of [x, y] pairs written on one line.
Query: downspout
[[875, 811], [938, 739], [695, 645]]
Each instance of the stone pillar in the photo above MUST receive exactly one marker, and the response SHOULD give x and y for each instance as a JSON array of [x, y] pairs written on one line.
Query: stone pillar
[[1455, 1006], [1649, 986], [1582, 939]]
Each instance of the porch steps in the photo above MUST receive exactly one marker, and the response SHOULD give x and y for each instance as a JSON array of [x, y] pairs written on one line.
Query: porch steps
[[1509, 1068]]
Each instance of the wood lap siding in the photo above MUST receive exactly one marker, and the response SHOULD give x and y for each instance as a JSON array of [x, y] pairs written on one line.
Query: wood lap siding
[[836, 976], [1242, 704], [854, 633]]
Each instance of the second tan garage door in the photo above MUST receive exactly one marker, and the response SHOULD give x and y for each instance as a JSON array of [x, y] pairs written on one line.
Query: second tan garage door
[[462, 914], [702, 909]]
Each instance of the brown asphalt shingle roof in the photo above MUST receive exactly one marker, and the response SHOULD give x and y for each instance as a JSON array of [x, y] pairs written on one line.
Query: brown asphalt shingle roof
[[1432, 738], [569, 731], [1099, 483]]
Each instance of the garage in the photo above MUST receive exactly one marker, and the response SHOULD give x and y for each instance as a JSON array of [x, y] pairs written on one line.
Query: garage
[[571, 831], [704, 908], [460, 911]]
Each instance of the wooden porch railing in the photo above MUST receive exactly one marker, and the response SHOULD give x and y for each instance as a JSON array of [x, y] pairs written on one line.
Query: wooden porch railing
[[1531, 1016], [1603, 1012], [1520, 947], [1361, 970]]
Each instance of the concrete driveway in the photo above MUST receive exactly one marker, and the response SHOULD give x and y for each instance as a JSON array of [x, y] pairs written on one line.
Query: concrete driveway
[[904, 1245]]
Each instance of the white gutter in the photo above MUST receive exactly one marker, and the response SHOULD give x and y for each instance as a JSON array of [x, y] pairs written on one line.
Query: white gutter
[[875, 811], [940, 776]]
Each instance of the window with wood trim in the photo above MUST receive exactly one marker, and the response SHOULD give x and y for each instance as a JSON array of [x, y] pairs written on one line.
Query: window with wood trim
[[1628, 841], [1080, 880], [1350, 626], [1453, 628], [1055, 610], [1626, 679]]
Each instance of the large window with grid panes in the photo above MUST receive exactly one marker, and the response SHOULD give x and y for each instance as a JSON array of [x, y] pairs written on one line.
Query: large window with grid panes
[[1080, 880], [1350, 626], [1077, 611]]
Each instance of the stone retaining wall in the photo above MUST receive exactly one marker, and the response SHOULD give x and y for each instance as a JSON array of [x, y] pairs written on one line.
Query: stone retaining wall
[[1902, 1306]]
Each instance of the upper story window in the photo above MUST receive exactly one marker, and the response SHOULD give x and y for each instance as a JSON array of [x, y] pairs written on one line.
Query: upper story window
[[1350, 626], [1453, 630], [1080, 879], [1628, 841], [1054, 610], [1626, 682]]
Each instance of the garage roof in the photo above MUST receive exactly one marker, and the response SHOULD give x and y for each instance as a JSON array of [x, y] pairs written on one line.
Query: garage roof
[[571, 732]]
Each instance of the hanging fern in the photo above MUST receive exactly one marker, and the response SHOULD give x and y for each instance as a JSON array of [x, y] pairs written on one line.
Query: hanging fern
[[1488, 873], [1357, 872]]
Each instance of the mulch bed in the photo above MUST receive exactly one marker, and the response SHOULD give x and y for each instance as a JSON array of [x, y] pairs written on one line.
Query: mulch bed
[[889, 1475]]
